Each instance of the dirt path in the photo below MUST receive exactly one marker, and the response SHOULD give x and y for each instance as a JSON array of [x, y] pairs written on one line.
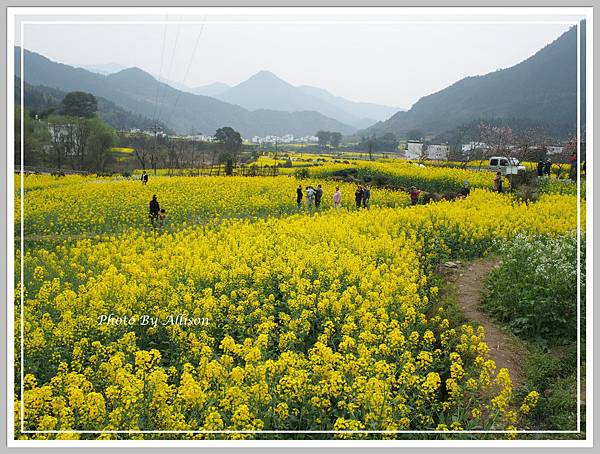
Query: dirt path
[[469, 280]]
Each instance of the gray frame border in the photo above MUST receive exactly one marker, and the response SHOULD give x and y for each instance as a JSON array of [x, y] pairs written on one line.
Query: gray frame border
[[284, 3]]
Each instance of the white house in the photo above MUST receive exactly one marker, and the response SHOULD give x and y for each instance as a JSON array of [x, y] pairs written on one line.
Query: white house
[[416, 150], [467, 147], [554, 150], [437, 152]]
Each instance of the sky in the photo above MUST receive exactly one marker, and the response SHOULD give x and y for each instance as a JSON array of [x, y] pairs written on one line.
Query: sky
[[392, 64]]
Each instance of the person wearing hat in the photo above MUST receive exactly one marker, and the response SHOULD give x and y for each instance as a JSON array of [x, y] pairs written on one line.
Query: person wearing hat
[[465, 190], [414, 195], [154, 209]]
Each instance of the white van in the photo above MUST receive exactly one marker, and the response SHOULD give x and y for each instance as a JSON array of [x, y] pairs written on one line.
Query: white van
[[505, 165]]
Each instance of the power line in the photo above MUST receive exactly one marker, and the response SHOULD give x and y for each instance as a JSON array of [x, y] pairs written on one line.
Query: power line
[[190, 62], [162, 55], [155, 127], [170, 68]]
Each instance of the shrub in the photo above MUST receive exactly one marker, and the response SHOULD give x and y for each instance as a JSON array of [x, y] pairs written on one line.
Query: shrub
[[301, 173], [534, 291]]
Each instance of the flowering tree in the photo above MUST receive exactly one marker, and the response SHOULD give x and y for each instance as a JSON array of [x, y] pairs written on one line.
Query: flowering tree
[[498, 138], [528, 140]]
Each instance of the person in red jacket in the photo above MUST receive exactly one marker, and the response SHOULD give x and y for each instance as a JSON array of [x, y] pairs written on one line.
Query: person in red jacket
[[414, 195]]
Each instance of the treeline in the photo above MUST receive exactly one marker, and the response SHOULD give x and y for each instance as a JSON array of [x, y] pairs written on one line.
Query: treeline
[[160, 151], [373, 144], [41, 101], [70, 135]]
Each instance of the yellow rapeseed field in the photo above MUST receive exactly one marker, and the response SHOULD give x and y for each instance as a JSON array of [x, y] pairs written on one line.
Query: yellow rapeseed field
[[310, 321], [93, 205]]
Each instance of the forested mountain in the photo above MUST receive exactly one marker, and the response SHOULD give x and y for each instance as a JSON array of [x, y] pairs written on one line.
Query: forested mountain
[[43, 100], [541, 88], [137, 91]]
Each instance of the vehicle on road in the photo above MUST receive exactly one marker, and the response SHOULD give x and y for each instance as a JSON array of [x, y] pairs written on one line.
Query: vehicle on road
[[505, 165]]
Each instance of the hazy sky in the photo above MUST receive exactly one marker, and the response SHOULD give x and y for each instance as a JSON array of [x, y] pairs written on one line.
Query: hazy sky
[[389, 64]]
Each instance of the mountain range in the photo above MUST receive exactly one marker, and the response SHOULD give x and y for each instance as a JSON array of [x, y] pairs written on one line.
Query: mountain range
[[541, 88], [139, 92], [264, 90]]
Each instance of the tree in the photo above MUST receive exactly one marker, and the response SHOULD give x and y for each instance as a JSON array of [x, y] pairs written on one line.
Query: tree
[[498, 140], [323, 137], [101, 139], [424, 155], [84, 143], [37, 138], [229, 167], [231, 141], [335, 138], [144, 148], [79, 104], [527, 141], [389, 142], [372, 143], [371, 146]]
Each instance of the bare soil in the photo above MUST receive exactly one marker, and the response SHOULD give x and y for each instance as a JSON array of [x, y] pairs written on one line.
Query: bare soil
[[469, 281]]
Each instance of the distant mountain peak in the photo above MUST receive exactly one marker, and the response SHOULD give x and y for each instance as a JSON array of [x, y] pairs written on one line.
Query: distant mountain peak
[[131, 70], [133, 73], [264, 77], [266, 73]]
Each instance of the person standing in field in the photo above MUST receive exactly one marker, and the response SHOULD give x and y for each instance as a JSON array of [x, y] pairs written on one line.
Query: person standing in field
[[573, 166], [547, 167], [366, 197], [540, 168], [337, 197], [299, 196], [318, 196], [498, 181], [310, 196], [358, 194], [154, 210], [414, 195], [144, 178], [465, 190]]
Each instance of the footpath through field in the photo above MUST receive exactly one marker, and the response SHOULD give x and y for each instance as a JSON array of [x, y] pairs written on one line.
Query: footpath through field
[[469, 280]]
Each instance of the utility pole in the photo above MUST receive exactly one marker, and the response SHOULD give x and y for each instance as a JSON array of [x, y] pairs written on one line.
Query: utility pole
[[155, 129]]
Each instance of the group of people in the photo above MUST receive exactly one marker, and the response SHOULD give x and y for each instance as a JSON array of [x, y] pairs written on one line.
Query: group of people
[[544, 167], [362, 196], [314, 196]]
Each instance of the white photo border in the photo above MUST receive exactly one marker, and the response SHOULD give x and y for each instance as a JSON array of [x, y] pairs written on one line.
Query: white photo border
[[584, 13]]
